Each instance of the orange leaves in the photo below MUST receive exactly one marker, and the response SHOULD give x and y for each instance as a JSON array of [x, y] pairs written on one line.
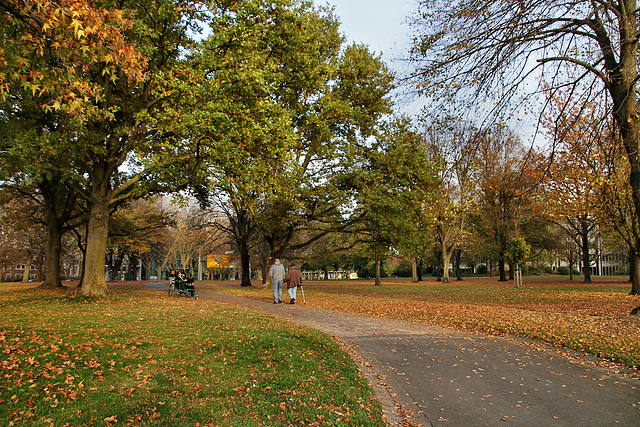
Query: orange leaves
[[76, 25], [591, 320], [50, 59]]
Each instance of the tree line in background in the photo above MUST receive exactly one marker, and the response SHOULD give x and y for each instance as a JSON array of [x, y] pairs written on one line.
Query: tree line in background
[[502, 202], [562, 62], [286, 138]]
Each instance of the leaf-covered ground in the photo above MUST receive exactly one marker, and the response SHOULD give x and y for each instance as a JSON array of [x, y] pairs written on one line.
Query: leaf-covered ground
[[142, 358], [593, 318]]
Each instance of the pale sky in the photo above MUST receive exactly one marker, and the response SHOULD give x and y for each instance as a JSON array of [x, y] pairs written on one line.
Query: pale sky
[[383, 26]]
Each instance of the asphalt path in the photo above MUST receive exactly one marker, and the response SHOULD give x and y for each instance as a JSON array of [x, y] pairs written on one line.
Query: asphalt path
[[430, 376]]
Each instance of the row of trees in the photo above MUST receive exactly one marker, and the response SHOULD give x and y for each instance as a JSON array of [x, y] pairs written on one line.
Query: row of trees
[[105, 102], [261, 112], [495, 200], [486, 54], [485, 198], [155, 234]]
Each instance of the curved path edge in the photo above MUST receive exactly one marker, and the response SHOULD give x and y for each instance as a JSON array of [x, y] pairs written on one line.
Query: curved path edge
[[425, 375]]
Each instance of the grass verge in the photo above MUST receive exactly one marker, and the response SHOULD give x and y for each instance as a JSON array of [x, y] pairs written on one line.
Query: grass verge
[[141, 358]]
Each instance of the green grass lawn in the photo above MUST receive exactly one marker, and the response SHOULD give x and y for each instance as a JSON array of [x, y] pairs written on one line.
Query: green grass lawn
[[140, 358], [593, 318]]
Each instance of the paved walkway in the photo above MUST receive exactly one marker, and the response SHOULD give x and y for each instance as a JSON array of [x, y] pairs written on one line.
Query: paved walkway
[[431, 376]]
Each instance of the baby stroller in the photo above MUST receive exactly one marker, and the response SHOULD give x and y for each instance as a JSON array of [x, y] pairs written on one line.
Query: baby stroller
[[182, 286]]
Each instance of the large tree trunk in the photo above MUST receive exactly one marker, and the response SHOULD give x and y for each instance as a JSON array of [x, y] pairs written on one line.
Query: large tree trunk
[[40, 263], [623, 77], [264, 266], [635, 186], [438, 266], [446, 255], [632, 268], [245, 258], [54, 245], [83, 251], [243, 234], [133, 268], [458, 270], [586, 256], [94, 283], [635, 286], [503, 243], [446, 259], [58, 202], [501, 270], [414, 270], [115, 265], [27, 269], [378, 282], [570, 270]]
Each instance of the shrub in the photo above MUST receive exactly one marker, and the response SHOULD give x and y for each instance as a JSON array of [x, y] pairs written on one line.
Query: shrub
[[564, 271], [402, 270]]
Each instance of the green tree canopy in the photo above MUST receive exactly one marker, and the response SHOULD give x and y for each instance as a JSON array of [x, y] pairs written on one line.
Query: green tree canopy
[[294, 101], [395, 180], [94, 92]]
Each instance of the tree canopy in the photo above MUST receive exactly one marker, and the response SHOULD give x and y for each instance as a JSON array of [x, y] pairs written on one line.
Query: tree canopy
[[261, 106], [491, 51], [295, 99]]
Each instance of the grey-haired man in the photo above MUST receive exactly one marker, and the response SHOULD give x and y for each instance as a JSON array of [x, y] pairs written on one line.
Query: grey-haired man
[[277, 276]]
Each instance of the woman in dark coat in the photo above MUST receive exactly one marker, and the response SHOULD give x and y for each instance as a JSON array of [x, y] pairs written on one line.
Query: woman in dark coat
[[293, 280]]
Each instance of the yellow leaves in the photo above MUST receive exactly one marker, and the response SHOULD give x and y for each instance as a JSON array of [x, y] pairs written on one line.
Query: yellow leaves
[[34, 88], [22, 62], [62, 53], [77, 27]]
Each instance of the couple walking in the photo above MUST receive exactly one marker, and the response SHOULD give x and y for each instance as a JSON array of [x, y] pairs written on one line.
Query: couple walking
[[293, 280]]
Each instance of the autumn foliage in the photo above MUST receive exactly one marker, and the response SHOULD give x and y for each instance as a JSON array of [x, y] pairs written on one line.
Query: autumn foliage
[[590, 318], [141, 358], [61, 47]]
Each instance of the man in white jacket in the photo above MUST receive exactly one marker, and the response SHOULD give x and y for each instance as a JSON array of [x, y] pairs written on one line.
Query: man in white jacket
[[277, 276]]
